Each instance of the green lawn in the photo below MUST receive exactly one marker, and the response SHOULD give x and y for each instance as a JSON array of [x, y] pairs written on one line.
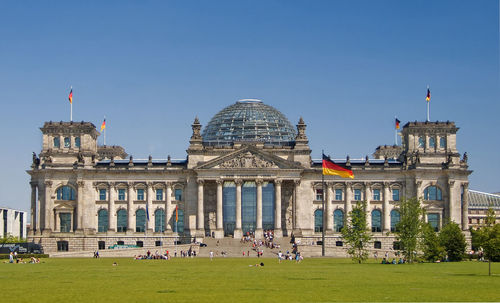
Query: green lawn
[[232, 280]]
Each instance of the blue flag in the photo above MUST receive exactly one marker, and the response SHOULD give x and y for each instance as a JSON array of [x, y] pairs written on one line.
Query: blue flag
[[147, 212]]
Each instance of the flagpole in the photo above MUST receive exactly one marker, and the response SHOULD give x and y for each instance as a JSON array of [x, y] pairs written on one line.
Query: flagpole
[[428, 101], [395, 133], [324, 212], [71, 106], [104, 132]]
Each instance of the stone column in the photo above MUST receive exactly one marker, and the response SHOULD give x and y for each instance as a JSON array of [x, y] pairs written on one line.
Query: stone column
[[385, 209], [168, 206], [277, 211], [49, 207], [368, 208], [258, 230], [328, 207], [200, 218], [465, 207], [80, 207], [33, 208], [150, 224], [348, 198], [130, 206], [219, 232], [296, 206], [111, 207], [449, 205], [238, 233], [39, 208], [58, 222]]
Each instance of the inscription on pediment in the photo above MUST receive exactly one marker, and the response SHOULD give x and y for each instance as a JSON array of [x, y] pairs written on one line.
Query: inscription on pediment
[[248, 160]]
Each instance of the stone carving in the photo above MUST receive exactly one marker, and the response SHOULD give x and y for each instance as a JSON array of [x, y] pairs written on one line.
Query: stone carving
[[80, 158], [247, 160], [465, 158]]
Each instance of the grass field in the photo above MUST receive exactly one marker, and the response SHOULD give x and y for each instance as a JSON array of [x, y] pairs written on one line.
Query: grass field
[[232, 280]]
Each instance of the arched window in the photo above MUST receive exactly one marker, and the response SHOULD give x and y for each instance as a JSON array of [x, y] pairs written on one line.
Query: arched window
[[67, 142], [65, 193], [338, 220], [395, 217], [433, 193], [57, 142], [102, 221], [318, 220], [376, 221], [159, 221], [121, 220], [77, 142], [140, 220]]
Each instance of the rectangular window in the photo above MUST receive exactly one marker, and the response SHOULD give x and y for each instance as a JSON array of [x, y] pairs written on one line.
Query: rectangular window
[[433, 220], [178, 194], [67, 142], [159, 194], [102, 194], [121, 194], [77, 142], [338, 195], [442, 142], [319, 194], [357, 194], [376, 194], [140, 194], [395, 194], [57, 143], [65, 220], [62, 246]]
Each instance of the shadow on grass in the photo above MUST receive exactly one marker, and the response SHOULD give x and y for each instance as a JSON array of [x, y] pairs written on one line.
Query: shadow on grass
[[474, 275], [166, 291]]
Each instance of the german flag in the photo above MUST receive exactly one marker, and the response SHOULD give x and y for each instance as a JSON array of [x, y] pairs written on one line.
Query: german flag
[[70, 97], [330, 168], [176, 213], [103, 125], [428, 98], [397, 123]]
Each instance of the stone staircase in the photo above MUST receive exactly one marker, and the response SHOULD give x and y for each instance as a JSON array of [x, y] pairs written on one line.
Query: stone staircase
[[126, 252]]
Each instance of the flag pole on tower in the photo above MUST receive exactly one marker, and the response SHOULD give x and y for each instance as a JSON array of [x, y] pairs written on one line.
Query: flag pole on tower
[[396, 128], [428, 99], [103, 129], [70, 98]]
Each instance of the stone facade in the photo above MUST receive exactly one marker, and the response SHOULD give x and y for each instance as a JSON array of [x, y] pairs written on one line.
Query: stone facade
[[74, 183]]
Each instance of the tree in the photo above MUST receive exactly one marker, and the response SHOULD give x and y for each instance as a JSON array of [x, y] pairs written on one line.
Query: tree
[[453, 241], [355, 233], [431, 246], [488, 238], [409, 228]]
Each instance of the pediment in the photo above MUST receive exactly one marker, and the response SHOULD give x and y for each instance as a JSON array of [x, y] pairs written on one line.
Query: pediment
[[62, 206], [249, 157]]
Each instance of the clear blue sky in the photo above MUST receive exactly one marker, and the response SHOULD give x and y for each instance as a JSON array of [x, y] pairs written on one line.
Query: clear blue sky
[[346, 67]]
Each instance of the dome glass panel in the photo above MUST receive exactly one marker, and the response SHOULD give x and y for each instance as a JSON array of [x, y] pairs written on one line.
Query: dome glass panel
[[249, 120]]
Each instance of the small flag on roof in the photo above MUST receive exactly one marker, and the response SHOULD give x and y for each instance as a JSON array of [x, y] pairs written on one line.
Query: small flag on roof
[[397, 123]]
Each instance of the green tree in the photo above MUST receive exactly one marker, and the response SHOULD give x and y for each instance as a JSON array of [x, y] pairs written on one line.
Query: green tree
[[453, 241], [409, 228], [488, 239], [355, 233], [430, 244], [11, 239]]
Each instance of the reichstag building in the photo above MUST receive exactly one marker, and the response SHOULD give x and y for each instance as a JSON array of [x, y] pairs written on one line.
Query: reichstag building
[[248, 170]]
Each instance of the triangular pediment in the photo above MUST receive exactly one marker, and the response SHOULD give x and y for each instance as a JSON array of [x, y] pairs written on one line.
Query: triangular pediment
[[249, 157], [62, 206]]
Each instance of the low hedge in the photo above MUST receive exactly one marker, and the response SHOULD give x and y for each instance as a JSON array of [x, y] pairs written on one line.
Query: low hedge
[[25, 256]]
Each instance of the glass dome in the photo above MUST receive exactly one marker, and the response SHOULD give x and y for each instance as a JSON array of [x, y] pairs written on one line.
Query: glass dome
[[249, 120]]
